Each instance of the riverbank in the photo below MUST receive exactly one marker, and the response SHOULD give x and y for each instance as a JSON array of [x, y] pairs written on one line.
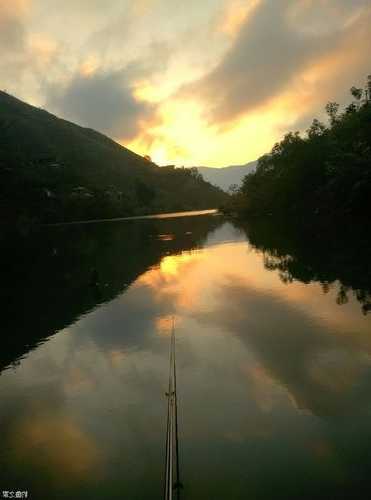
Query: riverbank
[[320, 179], [169, 215]]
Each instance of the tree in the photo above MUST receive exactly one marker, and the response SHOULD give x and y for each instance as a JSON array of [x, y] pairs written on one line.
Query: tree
[[316, 129], [318, 177], [233, 189], [145, 193], [356, 93], [351, 108], [368, 89], [332, 109], [195, 174]]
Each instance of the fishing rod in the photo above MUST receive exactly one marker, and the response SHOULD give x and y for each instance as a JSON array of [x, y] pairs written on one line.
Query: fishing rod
[[172, 439]]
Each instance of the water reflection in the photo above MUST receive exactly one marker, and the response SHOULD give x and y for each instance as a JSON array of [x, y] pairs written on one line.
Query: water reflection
[[338, 259], [52, 279], [273, 376]]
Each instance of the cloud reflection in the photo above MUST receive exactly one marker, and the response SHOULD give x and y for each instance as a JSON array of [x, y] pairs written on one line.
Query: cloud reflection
[[266, 373], [56, 442]]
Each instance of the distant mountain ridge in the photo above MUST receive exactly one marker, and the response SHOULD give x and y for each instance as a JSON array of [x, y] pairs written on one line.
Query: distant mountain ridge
[[52, 170], [224, 177]]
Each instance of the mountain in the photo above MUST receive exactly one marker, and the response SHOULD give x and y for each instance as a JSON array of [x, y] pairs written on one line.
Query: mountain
[[226, 176], [52, 170]]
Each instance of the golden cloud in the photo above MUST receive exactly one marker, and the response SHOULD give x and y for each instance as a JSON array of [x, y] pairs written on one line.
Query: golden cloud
[[14, 8], [176, 279], [235, 14], [42, 48]]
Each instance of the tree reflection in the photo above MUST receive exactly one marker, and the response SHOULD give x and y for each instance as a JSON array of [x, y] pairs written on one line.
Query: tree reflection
[[53, 277], [339, 261]]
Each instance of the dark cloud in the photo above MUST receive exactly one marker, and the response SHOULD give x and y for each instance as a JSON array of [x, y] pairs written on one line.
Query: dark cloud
[[103, 101], [128, 321], [273, 46]]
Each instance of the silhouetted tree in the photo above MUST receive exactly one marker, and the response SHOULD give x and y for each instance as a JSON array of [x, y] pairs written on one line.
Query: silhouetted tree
[[323, 176], [356, 93], [332, 109], [368, 89], [316, 129], [145, 194], [233, 189]]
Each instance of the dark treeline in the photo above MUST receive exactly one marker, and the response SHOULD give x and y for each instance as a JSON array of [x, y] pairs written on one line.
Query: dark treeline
[[52, 170], [322, 178]]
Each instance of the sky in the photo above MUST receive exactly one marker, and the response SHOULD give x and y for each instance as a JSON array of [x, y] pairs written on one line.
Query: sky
[[211, 82]]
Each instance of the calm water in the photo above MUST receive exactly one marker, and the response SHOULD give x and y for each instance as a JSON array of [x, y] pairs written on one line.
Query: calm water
[[273, 361]]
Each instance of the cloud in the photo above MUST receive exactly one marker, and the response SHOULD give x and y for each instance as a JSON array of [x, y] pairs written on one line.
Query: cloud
[[102, 100], [11, 32], [12, 38], [234, 15], [274, 45], [24, 53], [104, 96], [58, 443], [203, 66]]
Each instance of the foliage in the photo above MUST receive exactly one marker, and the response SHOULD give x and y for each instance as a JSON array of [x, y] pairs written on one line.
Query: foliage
[[52, 170], [323, 176]]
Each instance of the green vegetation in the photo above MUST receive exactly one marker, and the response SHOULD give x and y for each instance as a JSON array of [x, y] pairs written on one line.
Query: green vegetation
[[322, 178], [52, 170]]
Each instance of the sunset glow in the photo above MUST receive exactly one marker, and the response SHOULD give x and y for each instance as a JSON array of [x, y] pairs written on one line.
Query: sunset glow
[[203, 85]]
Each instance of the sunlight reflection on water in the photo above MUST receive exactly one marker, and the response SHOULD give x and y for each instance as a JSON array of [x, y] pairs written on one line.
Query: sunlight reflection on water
[[267, 371]]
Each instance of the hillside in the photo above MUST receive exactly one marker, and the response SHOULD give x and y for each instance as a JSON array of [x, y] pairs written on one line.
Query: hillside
[[322, 178], [53, 170], [224, 177]]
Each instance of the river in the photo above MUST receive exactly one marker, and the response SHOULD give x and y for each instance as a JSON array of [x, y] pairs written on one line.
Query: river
[[273, 344]]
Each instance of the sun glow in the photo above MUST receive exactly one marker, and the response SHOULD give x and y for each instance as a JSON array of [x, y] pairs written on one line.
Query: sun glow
[[159, 155], [182, 135], [171, 266], [89, 66]]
